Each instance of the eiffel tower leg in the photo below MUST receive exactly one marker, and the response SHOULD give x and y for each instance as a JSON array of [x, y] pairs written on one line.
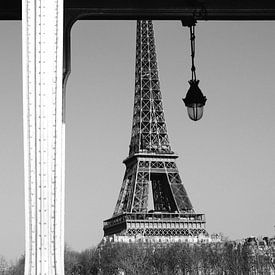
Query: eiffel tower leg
[[42, 33]]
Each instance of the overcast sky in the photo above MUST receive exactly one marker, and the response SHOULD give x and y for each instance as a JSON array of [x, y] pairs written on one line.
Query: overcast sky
[[226, 160]]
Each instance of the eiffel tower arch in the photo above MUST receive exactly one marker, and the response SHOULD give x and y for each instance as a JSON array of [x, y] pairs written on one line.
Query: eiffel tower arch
[[152, 201]]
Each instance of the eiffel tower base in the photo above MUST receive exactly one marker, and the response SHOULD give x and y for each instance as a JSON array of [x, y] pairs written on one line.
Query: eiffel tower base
[[156, 227]]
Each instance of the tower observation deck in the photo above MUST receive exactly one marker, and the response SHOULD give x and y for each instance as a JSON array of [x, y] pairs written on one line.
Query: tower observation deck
[[152, 203]]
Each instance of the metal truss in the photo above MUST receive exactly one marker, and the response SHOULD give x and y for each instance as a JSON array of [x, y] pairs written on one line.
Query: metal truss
[[151, 171], [149, 133], [168, 192]]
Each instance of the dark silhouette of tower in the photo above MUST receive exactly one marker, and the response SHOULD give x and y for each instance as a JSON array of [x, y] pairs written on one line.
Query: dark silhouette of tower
[[152, 201]]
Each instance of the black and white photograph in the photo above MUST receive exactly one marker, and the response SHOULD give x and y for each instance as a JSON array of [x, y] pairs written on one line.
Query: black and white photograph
[[137, 137]]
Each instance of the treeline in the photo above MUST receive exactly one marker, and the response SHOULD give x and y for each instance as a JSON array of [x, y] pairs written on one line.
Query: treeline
[[140, 259], [16, 268]]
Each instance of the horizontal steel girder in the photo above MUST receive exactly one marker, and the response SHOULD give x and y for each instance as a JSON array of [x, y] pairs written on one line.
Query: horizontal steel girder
[[156, 9]]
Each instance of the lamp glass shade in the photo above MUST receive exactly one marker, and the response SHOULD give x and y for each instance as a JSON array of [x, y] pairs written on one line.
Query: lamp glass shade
[[194, 101], [195, 111]]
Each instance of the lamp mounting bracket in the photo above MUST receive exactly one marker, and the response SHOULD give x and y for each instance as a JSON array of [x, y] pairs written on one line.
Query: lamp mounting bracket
[[199, 13], [188, 21]]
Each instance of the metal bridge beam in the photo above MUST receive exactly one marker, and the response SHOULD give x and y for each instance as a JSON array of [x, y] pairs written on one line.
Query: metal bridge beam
[[44, 133], [155, 9]]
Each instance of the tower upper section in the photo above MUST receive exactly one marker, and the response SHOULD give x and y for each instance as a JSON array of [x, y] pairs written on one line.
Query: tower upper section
[[149, 132]]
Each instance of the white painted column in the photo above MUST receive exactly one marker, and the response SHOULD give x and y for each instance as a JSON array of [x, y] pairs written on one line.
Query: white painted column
[[42, 34]]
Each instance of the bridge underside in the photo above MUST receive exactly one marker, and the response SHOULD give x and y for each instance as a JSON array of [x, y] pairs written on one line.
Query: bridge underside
[[155, 9]]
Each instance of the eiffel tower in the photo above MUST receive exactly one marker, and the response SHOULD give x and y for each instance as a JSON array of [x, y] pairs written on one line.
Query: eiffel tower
[[152, 202]]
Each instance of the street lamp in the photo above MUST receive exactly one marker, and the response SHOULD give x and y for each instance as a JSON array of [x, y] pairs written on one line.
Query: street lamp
[[194, 99]]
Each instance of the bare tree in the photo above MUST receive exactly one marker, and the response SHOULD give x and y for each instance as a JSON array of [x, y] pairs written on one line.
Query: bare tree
[[4, 266]]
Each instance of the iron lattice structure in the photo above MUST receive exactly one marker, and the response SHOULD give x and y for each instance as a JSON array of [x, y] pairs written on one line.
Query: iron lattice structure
[[152, 199]]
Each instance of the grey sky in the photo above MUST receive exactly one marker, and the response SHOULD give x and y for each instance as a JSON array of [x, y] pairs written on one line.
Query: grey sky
[[226, 160]]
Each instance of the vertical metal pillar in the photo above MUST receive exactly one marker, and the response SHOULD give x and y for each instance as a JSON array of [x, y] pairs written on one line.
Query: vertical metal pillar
[[42, 34]]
